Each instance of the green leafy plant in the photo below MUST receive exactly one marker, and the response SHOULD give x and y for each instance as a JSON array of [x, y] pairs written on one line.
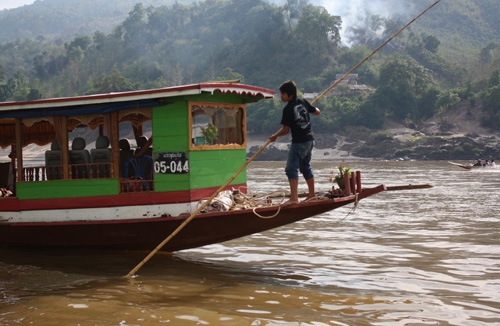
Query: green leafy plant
[[339, 178], [210, 132]]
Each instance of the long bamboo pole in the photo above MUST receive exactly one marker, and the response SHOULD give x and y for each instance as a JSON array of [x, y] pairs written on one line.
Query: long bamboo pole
[[196, 212], [208, 201], [371, 54]]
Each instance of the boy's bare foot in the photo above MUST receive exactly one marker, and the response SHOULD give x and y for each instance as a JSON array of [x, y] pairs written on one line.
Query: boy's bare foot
[[310, 198], [290, 202]]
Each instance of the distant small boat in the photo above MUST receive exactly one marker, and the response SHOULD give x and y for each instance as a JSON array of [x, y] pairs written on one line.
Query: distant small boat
[[469, 167]]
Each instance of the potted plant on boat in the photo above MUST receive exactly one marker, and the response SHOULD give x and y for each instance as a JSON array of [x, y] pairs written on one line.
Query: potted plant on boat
[[339, 178], [210, 132]]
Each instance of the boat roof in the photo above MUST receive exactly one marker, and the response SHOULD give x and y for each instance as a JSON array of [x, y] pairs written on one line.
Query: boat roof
[[103, 103]]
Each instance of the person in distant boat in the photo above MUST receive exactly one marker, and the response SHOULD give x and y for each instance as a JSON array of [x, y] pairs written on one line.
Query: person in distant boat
[[486, 163], [479, 163], [493, 165], [295, 118]]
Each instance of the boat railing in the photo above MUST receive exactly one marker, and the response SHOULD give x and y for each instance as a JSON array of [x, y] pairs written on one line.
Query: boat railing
[[38, 173], [86, 171], [76, 171]]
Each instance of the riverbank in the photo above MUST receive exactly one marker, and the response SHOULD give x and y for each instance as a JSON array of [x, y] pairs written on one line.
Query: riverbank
[[455, 135]]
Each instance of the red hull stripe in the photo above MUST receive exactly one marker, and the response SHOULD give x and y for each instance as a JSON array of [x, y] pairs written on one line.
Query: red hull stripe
[[13, 204]]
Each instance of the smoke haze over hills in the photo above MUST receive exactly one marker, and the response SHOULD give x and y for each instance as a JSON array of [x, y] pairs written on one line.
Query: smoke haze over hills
[[355, 13]]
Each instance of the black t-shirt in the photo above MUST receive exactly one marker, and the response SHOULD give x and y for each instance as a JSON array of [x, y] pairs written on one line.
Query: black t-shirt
[[296, 116]]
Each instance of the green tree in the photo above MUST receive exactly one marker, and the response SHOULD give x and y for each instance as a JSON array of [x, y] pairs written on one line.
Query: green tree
[[402, 82], [81, 42], [34, 94], [75, 54], [113, 82], [494, 79], [426, 102], [491, 101], [230, 74], [264, 117], [491, 106], [486, 52], [133, 28], [371, 115], [9, 88], [431, 43], [318, 30], [292, 10], [313, 84], [446, 99]]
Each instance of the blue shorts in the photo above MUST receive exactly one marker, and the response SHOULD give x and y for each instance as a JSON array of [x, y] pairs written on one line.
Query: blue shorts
[[299, 158]]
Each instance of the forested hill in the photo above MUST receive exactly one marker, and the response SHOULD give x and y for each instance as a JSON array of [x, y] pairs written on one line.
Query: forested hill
[[57, 48], [459, 24], [65, 19], [462, 26]]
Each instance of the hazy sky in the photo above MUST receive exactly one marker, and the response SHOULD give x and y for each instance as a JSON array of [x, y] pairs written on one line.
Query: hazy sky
[[8, 4]]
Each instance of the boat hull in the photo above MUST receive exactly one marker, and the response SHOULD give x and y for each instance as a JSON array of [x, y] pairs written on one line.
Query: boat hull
[[147, 233], [474, 167]]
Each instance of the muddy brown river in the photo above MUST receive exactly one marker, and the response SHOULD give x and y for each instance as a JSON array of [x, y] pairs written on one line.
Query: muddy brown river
[[415, 257]]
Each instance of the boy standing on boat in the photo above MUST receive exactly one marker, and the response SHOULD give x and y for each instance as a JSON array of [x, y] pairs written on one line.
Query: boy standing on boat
[[295, 118]]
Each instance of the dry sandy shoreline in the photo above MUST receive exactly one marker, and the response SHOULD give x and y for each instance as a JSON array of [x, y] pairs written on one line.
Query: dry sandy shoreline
[[319, 154]]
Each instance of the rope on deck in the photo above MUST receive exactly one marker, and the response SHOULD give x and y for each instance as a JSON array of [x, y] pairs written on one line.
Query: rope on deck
[[243, 198]]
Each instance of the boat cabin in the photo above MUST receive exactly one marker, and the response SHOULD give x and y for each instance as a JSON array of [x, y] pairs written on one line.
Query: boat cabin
[[185, 140]]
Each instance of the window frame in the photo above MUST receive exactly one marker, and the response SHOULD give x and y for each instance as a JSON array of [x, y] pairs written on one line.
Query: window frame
[[214, 106]]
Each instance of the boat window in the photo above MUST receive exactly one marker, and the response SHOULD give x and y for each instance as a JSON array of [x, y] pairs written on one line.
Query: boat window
[[136, 162], [83, 131], [77, 147], [217, 125]]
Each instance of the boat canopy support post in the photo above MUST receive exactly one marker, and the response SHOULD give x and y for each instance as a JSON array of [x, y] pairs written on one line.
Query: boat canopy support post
[[19, 151], [114, 132]]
